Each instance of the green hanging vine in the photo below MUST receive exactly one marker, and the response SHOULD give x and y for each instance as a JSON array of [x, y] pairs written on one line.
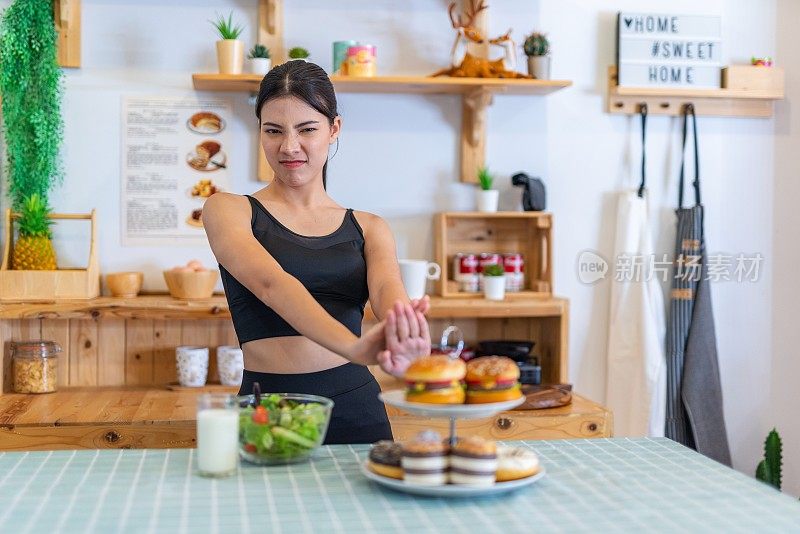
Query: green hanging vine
[[31, 89]]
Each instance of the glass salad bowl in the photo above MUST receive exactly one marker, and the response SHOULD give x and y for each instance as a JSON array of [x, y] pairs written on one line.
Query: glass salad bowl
[[284, 428]]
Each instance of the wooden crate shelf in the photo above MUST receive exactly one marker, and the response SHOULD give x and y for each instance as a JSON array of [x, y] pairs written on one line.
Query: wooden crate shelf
[[46, 285], [528, 233], [714, 102]]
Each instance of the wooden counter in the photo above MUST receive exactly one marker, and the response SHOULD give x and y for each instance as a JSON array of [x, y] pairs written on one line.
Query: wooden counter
[[92, 418]]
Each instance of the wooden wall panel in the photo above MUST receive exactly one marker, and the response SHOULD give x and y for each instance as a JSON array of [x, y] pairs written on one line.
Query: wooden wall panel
[[138, 352], [58, 330], [166, 336], [83, 350], [111, 352]]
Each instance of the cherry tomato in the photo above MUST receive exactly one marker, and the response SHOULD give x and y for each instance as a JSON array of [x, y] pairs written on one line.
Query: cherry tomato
[[260, 416], [249, 447]]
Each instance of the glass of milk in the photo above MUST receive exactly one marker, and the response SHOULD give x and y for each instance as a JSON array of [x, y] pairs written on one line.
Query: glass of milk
[[217, 434]]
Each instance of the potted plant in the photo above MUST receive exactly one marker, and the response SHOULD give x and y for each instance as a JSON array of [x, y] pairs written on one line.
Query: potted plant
[[769, 469], [298, 52], [31, 85], [537, 48], [230, 50], [487, 197], [258, 60], [494, 282]]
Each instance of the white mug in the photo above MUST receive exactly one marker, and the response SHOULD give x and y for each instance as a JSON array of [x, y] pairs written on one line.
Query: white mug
[[192, 364], [415, 274], [230, 365]]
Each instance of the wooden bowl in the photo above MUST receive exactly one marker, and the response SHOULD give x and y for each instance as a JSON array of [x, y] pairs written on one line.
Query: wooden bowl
[[124, 285], [191, 285]]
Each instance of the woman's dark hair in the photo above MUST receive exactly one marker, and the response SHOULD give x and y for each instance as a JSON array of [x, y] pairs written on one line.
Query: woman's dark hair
[[303, 80]]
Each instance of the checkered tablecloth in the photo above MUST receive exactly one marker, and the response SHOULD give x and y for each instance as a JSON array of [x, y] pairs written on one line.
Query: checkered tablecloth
[[591, 485]]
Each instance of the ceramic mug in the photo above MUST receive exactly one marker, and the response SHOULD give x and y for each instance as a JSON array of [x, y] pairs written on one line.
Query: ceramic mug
[[192, 365], [416, 273], [230, 365]]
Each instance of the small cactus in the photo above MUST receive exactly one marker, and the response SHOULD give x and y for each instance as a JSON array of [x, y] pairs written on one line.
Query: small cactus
[[769, 469], [536, 44]]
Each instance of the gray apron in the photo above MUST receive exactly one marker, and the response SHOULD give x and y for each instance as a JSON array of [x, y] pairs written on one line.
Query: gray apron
[[694, 393]]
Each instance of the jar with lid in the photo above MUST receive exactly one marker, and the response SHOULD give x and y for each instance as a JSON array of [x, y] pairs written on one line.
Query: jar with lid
[[35, 366]]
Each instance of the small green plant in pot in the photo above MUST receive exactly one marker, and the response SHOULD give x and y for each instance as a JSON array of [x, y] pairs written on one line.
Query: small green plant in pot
[[494, 282], [258, 60], [537, 48], [230, 50], [487, 197], [298, 52]]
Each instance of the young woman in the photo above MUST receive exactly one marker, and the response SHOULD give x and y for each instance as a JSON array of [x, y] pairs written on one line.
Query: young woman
[[298, 268]]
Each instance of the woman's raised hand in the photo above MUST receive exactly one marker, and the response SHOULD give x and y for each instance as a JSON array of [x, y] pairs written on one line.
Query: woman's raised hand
[[407, 337]]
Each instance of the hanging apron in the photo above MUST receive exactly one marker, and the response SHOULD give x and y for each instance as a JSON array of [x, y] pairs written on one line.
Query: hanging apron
[[694, 392], [636, 372]]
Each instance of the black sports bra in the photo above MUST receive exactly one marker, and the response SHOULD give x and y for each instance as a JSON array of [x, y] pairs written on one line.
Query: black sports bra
[[331, 267]]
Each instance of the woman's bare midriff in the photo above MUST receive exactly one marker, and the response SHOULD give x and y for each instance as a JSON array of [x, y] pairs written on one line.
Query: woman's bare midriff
[[288, 355]]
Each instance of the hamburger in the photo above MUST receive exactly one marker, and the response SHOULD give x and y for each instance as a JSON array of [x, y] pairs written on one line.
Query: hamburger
[[492, 379], [435, 379]]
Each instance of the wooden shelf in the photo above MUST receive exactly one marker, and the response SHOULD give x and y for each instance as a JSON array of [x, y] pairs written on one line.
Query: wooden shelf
[[392, 84], [164, 307], [477, 94], [712, 102]]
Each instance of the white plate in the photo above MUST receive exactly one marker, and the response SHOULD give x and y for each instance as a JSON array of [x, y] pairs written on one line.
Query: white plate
[[205, 129], [450, 490], [397, 399], [219, 158]]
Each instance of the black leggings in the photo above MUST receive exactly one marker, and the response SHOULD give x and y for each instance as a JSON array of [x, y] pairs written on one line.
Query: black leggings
[[358, 415]]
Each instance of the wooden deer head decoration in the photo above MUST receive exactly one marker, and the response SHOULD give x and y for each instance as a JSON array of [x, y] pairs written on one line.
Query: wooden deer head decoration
[[464, 64]]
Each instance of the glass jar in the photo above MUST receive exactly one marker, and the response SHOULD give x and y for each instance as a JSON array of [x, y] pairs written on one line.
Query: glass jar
[[35, 366]]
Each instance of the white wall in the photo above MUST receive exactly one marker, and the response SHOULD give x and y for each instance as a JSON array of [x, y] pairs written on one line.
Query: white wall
[[785, 399], [398, 154]]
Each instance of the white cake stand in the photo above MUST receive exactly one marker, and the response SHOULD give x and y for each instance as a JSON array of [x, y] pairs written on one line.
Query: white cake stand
[[397, 398]]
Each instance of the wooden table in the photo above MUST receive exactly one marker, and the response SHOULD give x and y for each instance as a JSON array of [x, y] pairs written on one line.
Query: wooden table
[[591, 485], [114, 418]]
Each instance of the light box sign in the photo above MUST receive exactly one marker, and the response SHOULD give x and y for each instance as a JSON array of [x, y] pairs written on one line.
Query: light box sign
[[662, 50]]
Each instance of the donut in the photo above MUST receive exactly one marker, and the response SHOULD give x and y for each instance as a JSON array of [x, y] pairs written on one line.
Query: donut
[[384, 459], [515, 462]]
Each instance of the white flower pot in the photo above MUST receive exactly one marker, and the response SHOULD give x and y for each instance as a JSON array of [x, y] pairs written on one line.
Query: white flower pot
[[259, 65], [539, 67], [487, 200], [230, 56], [494, 287]]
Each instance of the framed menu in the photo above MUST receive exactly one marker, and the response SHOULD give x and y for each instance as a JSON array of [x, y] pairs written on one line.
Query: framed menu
[[174, 157], [663, 50]]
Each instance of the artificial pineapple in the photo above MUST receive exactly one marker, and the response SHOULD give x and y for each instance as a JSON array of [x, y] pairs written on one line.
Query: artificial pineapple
[[33, 250]]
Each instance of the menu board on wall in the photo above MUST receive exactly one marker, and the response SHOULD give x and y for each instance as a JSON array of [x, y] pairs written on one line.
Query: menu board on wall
[[174, 156], [661, 50]]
